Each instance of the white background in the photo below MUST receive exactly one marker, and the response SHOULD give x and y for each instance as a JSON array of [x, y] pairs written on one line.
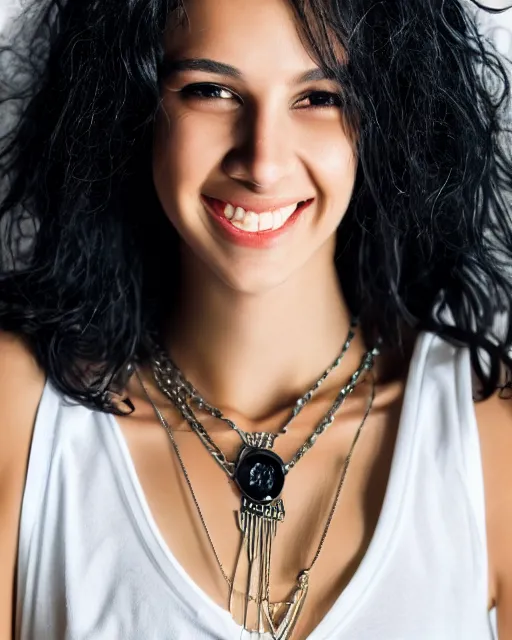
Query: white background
[[6, 8]]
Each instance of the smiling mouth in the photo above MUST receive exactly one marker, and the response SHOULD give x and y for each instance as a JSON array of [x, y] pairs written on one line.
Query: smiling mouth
[[252, 222], [250, 229], [259, 222]]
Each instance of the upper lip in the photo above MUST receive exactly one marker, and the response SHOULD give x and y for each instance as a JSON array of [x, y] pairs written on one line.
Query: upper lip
[[259, 205]]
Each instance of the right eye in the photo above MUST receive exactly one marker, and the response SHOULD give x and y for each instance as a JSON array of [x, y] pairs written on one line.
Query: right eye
[[208, 91]]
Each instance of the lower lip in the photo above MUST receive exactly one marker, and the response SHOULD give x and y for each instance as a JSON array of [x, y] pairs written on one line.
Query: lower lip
[[258, 239]]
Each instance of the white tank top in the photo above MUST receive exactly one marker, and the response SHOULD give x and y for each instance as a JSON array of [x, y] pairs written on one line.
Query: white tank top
[[93, 566]]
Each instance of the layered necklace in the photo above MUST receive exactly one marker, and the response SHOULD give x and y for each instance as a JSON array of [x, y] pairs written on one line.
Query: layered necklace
[[259, 474]]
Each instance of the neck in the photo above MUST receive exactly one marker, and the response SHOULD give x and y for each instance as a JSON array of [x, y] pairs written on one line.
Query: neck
[[255, 353]]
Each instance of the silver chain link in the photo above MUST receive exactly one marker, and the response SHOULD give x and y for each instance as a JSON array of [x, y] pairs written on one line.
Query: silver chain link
[[169, 374], [173, 387]]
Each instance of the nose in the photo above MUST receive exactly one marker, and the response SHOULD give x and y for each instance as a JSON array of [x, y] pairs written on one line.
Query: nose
[[263, 154]]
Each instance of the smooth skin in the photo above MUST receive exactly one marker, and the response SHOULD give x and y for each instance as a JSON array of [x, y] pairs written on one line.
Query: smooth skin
[[256, 326]]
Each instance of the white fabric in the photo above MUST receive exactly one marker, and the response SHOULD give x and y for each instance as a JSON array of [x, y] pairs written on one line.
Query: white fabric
[[93, 566]]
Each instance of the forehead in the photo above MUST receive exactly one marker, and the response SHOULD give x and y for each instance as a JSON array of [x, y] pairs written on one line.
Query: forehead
[[257, 36]]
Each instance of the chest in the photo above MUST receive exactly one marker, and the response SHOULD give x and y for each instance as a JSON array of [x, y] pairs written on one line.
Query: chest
[[202, 527]]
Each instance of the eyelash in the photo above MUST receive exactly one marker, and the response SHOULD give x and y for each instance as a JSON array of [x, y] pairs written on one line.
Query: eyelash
[[199, 89]]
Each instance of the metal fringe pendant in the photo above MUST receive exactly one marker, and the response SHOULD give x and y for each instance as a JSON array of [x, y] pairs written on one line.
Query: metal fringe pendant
[[249, 597]]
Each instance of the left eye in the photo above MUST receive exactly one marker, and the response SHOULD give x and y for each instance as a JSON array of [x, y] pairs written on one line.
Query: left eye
[[319, 99], [208, 91]]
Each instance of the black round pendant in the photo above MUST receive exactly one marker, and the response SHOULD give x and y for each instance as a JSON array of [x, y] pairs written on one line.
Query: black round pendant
[[259, 474]]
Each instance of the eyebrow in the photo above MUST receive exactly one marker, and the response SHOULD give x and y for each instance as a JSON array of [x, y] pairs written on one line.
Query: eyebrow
[[170, 67]]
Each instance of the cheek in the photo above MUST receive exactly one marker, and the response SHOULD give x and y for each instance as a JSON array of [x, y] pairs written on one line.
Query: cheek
[[328, 143], [338, 162], [343, 176], [186, 149], [334, 168]]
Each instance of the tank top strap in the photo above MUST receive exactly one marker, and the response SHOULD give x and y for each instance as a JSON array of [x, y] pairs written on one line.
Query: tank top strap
[[38, 470]]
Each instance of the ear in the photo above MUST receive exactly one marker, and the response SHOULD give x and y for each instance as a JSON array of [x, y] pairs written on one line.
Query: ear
[[493, 6]]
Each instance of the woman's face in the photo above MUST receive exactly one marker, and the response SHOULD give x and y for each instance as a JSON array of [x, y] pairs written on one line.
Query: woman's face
[[248, 129]]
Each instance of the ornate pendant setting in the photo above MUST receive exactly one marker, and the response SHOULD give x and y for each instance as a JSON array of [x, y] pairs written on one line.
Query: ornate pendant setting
[[259, 474]]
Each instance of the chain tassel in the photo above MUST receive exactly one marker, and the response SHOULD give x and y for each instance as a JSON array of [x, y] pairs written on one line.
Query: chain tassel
[[249, 597], [250, 606], [293, 610]]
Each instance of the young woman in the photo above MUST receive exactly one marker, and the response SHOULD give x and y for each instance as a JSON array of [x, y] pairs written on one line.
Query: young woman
[[255, 298]]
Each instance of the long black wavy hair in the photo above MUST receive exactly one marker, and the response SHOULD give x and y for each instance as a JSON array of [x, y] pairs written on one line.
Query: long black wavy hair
[[426, 242]]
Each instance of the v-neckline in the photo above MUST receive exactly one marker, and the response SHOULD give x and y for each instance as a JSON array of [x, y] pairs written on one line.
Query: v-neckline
[[347, 604]]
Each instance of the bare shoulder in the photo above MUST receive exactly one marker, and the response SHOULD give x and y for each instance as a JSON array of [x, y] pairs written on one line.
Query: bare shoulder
[[21, 386], [494, 417]]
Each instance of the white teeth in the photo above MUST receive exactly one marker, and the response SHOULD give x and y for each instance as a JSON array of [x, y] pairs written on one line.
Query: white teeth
[[286, 212], [250, 221], [229, 211], [277, 220], [239, 214], [266, 221]]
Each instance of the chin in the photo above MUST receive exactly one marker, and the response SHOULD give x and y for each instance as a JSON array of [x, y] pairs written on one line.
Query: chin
[[253, 284]]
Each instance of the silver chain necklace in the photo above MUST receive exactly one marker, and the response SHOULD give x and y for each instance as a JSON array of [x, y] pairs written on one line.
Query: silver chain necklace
[[265, 613], [259, 473], [168, 375], [173, 384]]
